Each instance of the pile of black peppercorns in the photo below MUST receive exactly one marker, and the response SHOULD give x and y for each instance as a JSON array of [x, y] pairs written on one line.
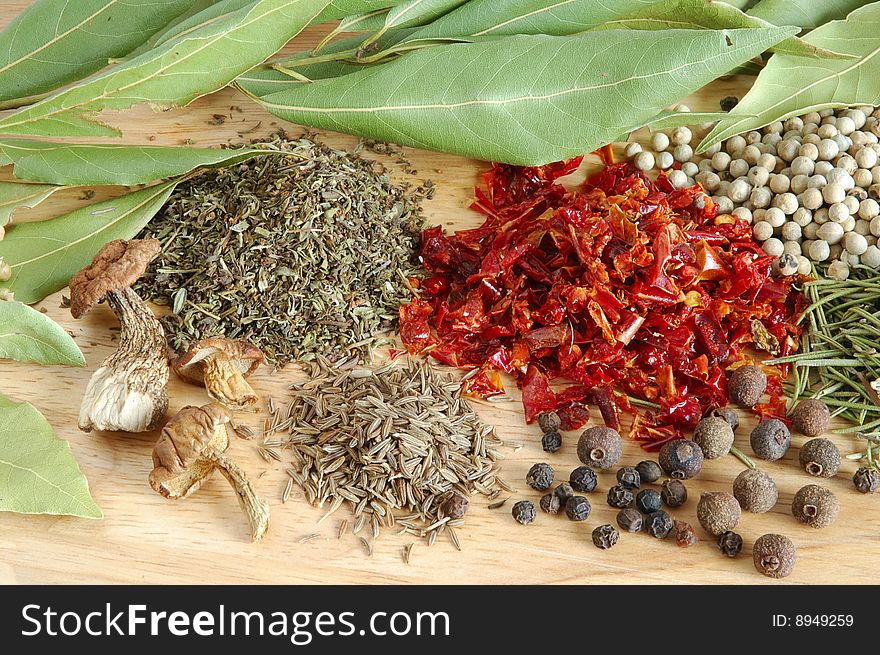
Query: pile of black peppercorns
[[641, 509]]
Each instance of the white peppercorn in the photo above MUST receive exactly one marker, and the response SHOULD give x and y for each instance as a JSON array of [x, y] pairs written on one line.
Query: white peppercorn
[[761, 197], [805, 266], [800, 183], [866, 158], [632, 149], [854, 243], [801, 165], [819, 251], [720, 161], [725, 204], [769, 139], [823, 168], [787, 149], [767, 161], [743, 213], [787, 202], [739, 190], [828, 149], [863, 227], [810, 151], [677, 179], [812, 139], [802, 216], [774, 247], [831, 233], [681, 136], [871, 257], [659, 141], [809, 232], [838, 212], [792, 248], [863, 178], [690, 169], [683, 152], [849, 224], [812, 118], [644, 161], [751, 154], [791, 231], [838, 270], [762, 231], [847, 163], [820, 215], [775, 216], [709, 180], [778, 183], [845, 125], [738, 167], [664, 160], [833, 193], [811, 198], [711, 150], [816, 182], [826, 131], [852, 204], [735, 144]]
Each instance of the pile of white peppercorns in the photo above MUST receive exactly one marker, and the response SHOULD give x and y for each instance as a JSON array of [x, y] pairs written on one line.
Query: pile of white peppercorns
[[809, 186]]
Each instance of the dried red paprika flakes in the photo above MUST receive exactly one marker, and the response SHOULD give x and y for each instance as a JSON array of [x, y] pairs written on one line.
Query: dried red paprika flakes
[[623, 286]]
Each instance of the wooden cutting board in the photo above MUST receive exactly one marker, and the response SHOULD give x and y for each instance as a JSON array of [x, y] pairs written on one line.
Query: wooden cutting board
[[145, 539]]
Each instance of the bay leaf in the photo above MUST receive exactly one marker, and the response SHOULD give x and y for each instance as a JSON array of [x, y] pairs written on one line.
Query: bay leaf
[[414, 13], [807, 14], [93, 164], [44, 255], [548, 97], [54, 42], [708, 14], [173, 74], [337, 9], [790, 86], [38, 474], [365, 22], [27, 335], [19, 195], [209, 14], [173, 27]]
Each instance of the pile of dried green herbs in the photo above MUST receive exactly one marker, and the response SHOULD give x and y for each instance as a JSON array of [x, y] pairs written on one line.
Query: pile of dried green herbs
[[839, 359], [301, 253], [394, 444]]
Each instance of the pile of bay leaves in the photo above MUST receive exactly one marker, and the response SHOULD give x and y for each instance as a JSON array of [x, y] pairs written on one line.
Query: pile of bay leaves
[[519, 81]]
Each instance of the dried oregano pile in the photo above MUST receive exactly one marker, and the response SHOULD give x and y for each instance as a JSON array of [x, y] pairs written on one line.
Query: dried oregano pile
[[308, 251], [397, 444]]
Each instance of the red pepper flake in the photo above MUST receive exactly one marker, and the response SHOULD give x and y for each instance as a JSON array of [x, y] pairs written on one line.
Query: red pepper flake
[[622, 286]]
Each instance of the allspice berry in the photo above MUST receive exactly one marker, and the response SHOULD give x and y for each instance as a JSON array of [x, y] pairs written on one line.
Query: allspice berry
[[774, 555], [714, 436], [811, 417], [816, 506], [866, 480], [820, 457], [770, 439], [599, 446], [746, 385], [681, 459], [755, 491], [729, 414], [718, 512], [456, 506]]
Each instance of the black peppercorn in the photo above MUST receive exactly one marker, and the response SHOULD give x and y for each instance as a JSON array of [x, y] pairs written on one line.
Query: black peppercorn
[[549, 422], [867, 480], [659, 524], [729, 102], [563, 491], [629, 477], [730, 543], [550, 503], [577, 508], [619, 496], [681, 459], [755, 491], [770, 439], [605, 536], [648, 501], [816, 506], [685, 537], [583, 479], [674, 493], [746, 385], [456, 506], [729, 414], [714, 436], [523, 512], [540, 477], [774, 555], [649, 471], [820, 457], [811, 417], [599, 446], [630, 519], [551, 442]]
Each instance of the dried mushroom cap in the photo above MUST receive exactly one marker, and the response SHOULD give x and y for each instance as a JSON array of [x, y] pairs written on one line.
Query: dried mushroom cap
[[179, 463], [190, 448], [118, 265], [221, 366]]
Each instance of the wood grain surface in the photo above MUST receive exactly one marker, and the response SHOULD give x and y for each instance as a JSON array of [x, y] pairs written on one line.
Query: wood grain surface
[[146, 539]]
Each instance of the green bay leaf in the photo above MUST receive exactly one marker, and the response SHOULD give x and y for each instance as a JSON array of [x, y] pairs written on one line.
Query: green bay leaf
[[548, 98], [173, 74], [54, 42], [46, 254], [93, 164], [38, 474], [790, 85], [418, 12], [19, 195], [27, 335], [807, 14]]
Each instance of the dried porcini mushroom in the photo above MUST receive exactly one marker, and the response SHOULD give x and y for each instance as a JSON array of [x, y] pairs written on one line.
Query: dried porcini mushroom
[[127, 392], [190, 447], [221, 366]]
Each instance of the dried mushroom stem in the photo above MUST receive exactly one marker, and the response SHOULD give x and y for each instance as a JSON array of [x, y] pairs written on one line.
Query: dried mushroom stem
[[255, 509], [128, 392], [225, 384]]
